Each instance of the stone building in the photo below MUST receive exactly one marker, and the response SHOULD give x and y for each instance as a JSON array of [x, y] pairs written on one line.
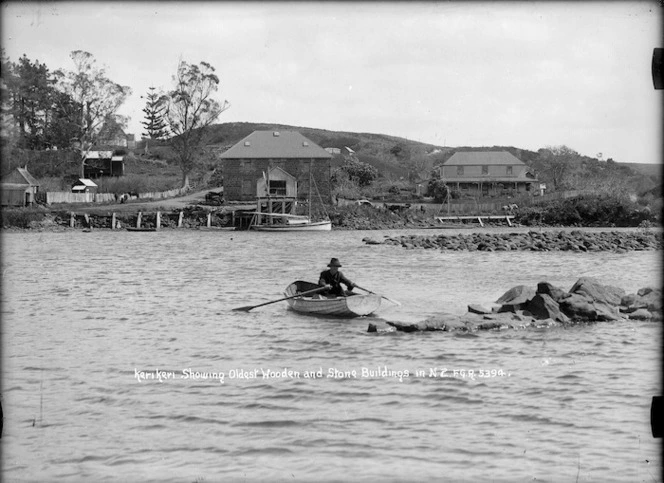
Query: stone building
[[251, 159]]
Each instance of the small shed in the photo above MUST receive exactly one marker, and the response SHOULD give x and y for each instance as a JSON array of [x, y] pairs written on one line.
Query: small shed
[[282, 184], [84, 185], [103, 163], [19, 188]]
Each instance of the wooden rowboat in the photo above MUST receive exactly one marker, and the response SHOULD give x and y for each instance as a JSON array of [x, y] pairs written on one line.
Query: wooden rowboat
[[351, 306]]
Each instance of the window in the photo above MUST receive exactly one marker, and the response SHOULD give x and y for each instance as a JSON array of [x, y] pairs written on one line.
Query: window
[[459, 170], [278, 187], [485, 169], [247, 188], [509, 170], [245, 165]]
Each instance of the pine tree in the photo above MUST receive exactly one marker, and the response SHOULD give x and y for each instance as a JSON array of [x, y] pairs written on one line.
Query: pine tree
[[155, 126]]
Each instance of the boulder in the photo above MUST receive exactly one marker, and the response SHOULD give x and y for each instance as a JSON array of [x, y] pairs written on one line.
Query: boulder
[[646, 298], [381, 326], [606, 312], [434, 323], [557, 294], [478, 309], [578, 307], [652, 297], [543, 306], [515, 298], [640, 314], [597, 292]]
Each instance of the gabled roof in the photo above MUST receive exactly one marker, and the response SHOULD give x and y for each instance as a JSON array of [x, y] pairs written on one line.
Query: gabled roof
[[28, 177], [275, 144], [484, 158], [276, 170], [86, 182]]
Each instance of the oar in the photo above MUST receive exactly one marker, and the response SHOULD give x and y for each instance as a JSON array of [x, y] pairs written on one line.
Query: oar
[[383, 296], [250, 307]]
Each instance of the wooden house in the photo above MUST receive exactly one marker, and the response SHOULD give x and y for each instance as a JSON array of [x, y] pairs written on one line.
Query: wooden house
[[245, 164], [488, 173], [84, 185], [103, 163], [19, 188]]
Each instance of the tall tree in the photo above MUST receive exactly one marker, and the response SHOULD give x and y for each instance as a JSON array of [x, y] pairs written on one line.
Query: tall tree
[[190, 110], [9, 135], [155, 110], [95, 96], [556, 162]]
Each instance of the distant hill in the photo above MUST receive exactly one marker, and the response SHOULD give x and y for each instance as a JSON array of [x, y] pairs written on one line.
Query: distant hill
[[652, 170], [391, 155]]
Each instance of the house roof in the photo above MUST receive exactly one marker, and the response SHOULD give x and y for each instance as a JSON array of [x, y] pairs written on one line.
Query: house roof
[[484, 158], [86, 182], [275, 144], [99, 155], [276, 170], [28, 177]]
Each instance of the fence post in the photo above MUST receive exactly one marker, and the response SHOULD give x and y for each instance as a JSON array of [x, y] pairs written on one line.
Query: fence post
[[158, 223]]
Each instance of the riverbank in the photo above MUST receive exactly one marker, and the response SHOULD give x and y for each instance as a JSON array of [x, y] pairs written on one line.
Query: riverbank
[[190, 212]]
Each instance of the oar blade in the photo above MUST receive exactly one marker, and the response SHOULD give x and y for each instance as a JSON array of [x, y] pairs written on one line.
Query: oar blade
[[244, 309]]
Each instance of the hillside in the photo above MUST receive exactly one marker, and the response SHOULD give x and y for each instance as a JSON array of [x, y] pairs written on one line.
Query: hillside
[[395, 158]]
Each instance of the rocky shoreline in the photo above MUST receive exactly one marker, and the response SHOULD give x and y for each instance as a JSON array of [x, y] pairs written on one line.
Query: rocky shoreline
[[521, 307], [575, 240]]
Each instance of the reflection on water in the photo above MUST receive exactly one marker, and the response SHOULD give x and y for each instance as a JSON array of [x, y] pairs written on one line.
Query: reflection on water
[[114, 342]]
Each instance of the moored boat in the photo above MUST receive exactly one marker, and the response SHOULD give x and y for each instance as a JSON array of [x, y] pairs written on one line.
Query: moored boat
[[285, 222], [351, 306]]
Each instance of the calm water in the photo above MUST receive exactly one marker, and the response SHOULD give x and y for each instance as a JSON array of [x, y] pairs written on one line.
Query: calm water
[[85, 315]]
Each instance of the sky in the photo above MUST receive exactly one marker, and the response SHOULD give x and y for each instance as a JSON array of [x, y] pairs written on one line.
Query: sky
[[522, 74]]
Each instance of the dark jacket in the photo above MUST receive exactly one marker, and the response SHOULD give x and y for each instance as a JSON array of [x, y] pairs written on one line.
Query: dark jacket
[[335, 281]]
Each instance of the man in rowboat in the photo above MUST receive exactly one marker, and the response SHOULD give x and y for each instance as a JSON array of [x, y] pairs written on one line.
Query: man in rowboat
[[333, 278]]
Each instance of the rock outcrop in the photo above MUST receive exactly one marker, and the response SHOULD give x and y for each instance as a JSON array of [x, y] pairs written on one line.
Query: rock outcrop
[[575, 240], [588, 301]]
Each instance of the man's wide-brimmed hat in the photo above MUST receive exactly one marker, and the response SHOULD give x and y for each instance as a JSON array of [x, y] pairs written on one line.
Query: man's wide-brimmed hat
[[334, 263]]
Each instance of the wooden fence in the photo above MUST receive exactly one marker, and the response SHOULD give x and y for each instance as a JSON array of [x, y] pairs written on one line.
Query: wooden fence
[[472, 207], [53, 197]]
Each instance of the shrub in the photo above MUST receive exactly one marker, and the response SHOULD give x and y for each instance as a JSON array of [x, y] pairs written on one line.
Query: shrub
[[594, 210], [20, 217], [363, 173]]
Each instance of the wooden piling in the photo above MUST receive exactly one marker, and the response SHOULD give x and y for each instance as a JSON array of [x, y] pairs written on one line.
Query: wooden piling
[[113, 221], [158, 222], [72, 220], [209, 219], [138, 219], [180, 218], [87, 219]]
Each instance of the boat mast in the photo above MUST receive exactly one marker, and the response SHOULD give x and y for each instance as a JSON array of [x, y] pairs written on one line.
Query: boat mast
[[269, 199]]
